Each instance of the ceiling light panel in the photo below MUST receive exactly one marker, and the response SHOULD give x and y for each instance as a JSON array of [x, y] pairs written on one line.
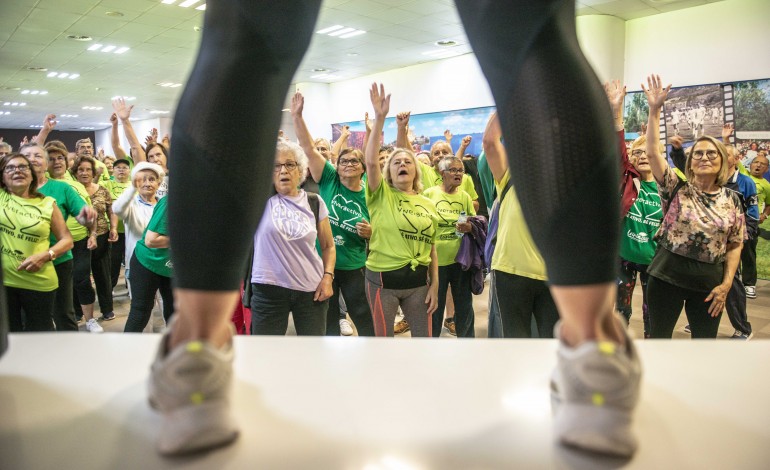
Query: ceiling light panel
[[342, 32], [108, 48]]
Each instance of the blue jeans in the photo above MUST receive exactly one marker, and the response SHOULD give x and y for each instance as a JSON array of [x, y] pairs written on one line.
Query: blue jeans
[[271, 305], [460, 281]]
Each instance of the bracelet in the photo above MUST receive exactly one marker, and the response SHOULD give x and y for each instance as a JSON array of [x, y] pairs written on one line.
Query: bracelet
[[330, 274], [52, 255]]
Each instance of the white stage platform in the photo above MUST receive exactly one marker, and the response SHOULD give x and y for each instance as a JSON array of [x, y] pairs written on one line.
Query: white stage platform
[[78, 401]]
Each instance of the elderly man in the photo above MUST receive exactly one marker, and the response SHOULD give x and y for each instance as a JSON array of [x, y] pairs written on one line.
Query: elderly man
[[5, 149], [84, 147], [756, 171]]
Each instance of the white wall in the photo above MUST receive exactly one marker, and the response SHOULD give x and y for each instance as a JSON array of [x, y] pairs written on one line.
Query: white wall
[[712, 43], [602, 39]]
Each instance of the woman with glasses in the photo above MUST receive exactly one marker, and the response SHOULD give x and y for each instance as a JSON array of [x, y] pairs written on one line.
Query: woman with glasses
[[95, 258], [451, 201], [27, 220], [402, 267], [641, 211], [342, 190], [287, 273], [700, 237]]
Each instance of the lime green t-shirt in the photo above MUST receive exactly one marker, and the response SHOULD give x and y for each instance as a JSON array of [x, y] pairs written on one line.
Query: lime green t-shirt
[[25, 225], [763, 192], [116, 188], [403, 228], [640, 225], [515, 251], [70, 204], [448, 207], [157, 260], [430, 178], [346, 209], [78, 231]]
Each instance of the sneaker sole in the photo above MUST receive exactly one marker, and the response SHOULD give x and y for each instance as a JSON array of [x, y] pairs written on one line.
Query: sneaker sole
[[593, 428], [196, 428]]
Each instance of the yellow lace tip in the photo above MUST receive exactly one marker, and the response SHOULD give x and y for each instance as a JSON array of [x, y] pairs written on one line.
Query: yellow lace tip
[[194, 346], [607, 347], [598, 399], [196, 398]]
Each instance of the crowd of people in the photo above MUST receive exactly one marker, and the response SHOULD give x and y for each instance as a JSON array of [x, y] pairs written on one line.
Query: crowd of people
[[383, 235]]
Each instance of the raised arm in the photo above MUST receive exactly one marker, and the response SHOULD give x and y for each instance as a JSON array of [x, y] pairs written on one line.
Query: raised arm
[[616, 96], [117, 150], [402, 130], [381, 104], [123, 111], [341, 143], [122, 205], [656, 95], [368, 125], [49, 123], [494, 150], [463, 146], [315, 160]]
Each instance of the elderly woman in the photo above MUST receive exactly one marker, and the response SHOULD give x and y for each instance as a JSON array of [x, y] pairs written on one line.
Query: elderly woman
[[451, 201], [700, 237], [287, 274], [98, 258], [28, 219], [641, 211], [402, 268], [135, 207], [342, 189]]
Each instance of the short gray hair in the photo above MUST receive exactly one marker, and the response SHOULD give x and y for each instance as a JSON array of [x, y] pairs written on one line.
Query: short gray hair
[[7, 146], [285, 146], [446, 162]]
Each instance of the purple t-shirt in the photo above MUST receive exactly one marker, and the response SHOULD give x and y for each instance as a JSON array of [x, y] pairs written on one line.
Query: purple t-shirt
[[284, 246]]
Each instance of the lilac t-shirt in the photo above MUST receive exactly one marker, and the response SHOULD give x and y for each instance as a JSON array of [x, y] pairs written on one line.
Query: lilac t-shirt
[[284, 245]]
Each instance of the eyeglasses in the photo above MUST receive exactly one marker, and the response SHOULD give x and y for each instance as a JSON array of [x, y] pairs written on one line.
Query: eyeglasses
[[348, 162], [290, 166], [456, 171], [710, 154], [10, 169], [638, 153]]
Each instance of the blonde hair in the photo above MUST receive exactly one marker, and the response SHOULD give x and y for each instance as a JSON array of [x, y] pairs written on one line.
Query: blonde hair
[[417, 183], [724, 170]]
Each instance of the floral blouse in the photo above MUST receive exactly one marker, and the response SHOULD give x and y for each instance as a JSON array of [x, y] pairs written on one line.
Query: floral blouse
[[699, 225], [102, 202]]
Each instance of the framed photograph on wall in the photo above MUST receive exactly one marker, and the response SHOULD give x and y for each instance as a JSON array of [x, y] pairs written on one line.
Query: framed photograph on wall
[[694, 111]]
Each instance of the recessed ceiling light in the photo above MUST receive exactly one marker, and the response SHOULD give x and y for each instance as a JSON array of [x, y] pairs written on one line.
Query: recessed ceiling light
[[95, 47], [93, 108], [197, 29], [188, 3], [342, 32], [330, 29], [446, 43], [116, 14], [109, 48], [168, 2], [158, 112], [320, 69], [80, 37], [352, 54], [37, 69], [201, 8]]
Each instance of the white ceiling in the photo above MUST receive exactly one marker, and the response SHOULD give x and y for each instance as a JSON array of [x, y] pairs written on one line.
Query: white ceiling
[[163, 40]]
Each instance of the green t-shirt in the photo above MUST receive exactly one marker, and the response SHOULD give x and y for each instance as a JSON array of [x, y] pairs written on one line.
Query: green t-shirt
[[430, 178], [487, 180], [403, 228], [640, 225], [346, 209], [78, 231], [448, 207], [157, 260], [763, 192], [25, 227], [116, 188], [70, 204]]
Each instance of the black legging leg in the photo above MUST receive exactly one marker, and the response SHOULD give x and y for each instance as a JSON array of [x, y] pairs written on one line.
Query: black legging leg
[[226, 126], [552, 105]]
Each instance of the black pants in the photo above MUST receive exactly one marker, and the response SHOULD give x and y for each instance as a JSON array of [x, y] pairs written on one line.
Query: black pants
[[529, 53], [100, 268], [144, 285], [117, 254], [82, 291], [37, 309], [271, 305], [63, 313], [352, 284], [460, 281], [665, 302], [736, 304], [749, 262], [520, 298], [626, 285]]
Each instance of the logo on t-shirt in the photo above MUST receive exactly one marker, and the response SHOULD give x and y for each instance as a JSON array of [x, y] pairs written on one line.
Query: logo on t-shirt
[[292, 224], [339, 241], [640, 237], [350, 213], [448, 211]]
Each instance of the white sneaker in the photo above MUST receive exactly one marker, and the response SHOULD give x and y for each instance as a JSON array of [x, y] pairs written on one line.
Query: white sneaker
[[594, 390], [191, 387], [751, 292], [93, 326], [345, 328]]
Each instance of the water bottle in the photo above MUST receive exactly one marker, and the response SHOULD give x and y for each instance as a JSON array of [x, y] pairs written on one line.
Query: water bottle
[[461, 220]]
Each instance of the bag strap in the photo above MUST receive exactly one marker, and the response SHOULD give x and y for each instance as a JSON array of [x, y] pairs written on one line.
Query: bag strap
[[312, 200]]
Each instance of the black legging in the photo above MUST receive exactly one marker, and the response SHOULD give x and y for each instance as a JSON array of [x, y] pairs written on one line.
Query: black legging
[[549, 100]]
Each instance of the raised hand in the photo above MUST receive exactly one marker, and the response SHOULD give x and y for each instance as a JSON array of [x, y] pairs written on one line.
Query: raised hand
[[166, 141], [345, 132], [367, 122], [152, 137], [727, 131], [676, 141], [380, 101], [297, 104], [448, 136], [49, 122], [466, 141], [122, 110], [402, 119], [656, 93], [615, 94], [114, 120], [24, 141]]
